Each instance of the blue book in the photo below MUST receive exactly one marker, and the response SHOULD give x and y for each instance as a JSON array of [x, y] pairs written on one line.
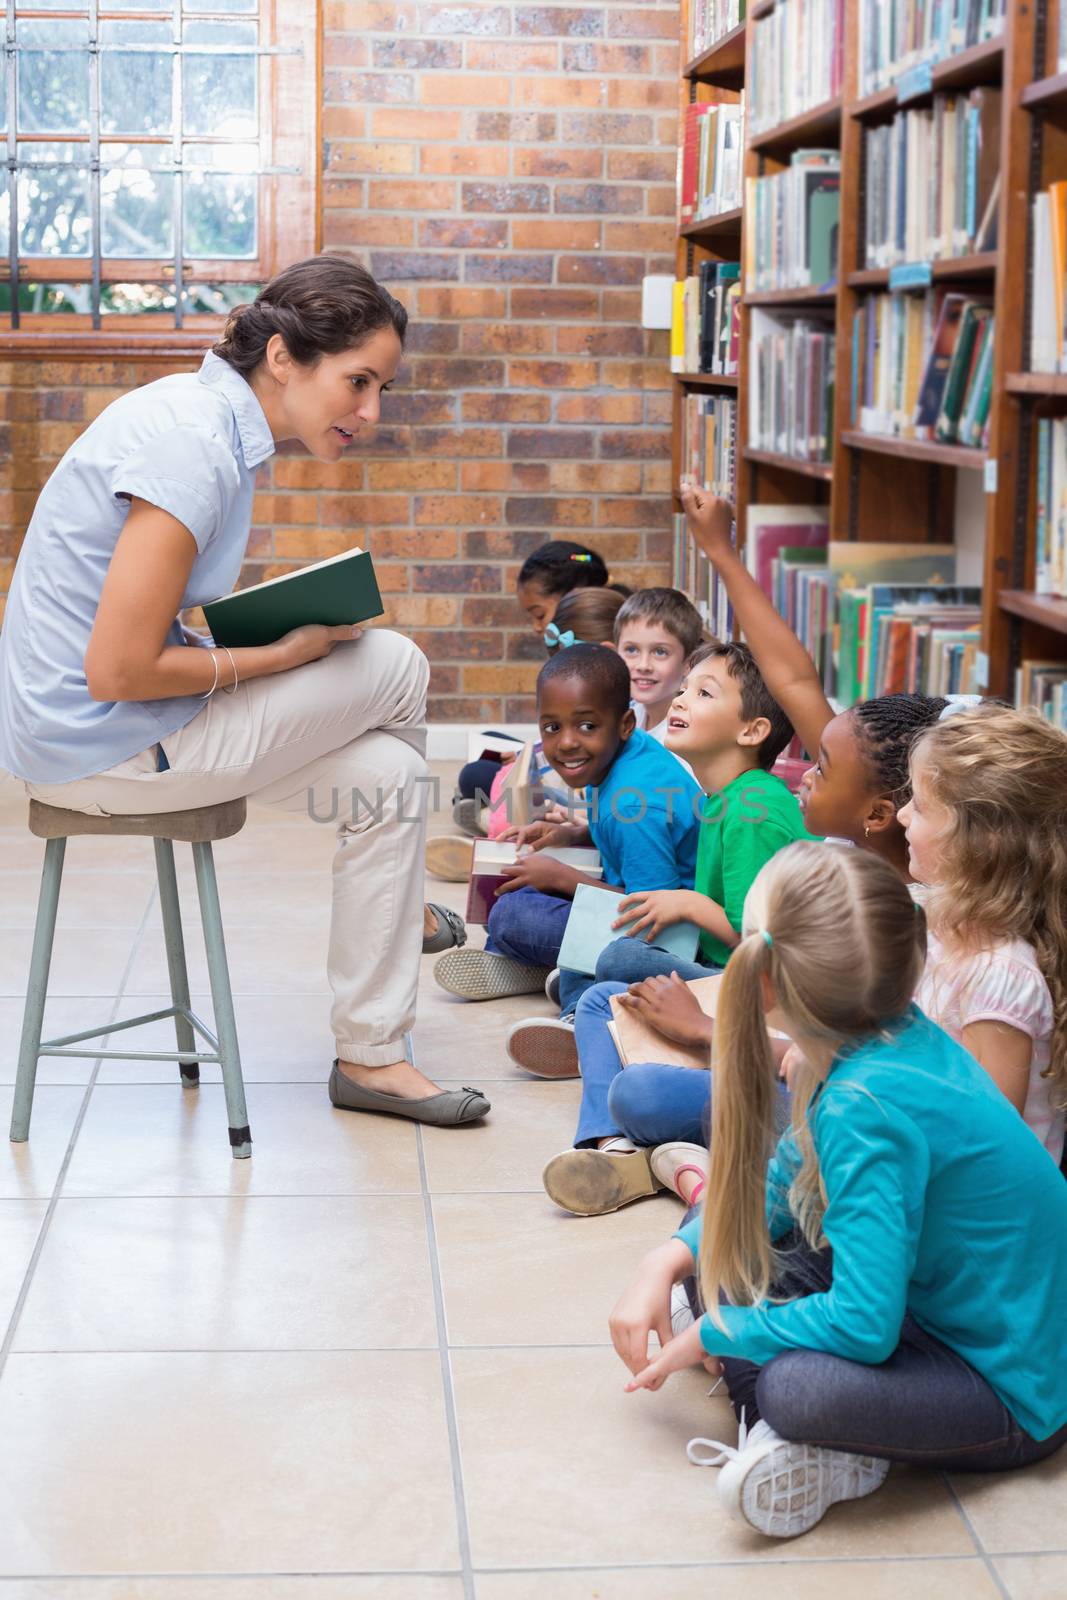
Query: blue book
[[589, 931]]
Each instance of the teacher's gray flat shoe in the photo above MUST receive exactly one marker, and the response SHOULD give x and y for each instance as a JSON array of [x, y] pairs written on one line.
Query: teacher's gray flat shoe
[[450, 1109], [450, 932]]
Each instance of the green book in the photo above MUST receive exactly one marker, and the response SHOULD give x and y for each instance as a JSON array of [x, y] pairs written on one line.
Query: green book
[[338, 590]]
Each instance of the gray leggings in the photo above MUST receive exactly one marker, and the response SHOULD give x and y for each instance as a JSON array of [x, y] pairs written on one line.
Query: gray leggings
[[924, 1405]]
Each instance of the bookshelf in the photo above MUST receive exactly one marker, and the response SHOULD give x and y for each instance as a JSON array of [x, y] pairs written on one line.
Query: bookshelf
[[884, 487]]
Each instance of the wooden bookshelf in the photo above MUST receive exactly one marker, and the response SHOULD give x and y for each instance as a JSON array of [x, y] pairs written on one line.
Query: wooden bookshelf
[[716, 227], [892, 489], [708, 380]]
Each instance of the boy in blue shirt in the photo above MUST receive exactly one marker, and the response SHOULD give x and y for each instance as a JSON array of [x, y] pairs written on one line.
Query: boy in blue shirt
[[644, 818]]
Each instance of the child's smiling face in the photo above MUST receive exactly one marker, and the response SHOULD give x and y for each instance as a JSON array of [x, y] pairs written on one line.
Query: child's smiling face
[[580, 735], [705, 716], [655, 658]]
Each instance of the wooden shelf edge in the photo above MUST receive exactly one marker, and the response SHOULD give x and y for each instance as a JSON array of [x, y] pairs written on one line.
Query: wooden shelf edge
[[806, 469], [945, 455], [791, 297], [820, 120], [983, 265], [1044, 93], [1045, 609], [964, 70], [709, 227], [707, 380], [130, 345], [1039, 383], [723, 60]]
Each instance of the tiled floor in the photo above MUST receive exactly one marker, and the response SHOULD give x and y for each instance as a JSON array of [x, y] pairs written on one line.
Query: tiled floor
[[371, 1363]]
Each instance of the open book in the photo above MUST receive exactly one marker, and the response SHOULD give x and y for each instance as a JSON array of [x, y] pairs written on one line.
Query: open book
[[637, 1042], [492, 855], [338, 590]]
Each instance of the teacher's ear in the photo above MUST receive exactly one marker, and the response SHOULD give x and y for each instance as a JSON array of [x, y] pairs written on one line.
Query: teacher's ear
[[277, 359]]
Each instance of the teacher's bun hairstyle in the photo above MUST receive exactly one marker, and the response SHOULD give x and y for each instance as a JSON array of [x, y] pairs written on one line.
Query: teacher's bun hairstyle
[[319, 307]]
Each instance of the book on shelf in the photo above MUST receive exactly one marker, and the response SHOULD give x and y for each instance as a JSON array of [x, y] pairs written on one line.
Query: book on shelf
[[709, 442], [1050, 503], [792, 223], [931, 181], [897, 37], [709, 171], [796, 60], [710, 21], [1048, 339], [333, 592], [922, 367], [771, 529], [1043, 685], [791, 385], [694, 575], [705, 319]]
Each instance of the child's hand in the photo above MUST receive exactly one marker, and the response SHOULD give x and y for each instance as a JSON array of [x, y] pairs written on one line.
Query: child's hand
[[669, 1006], [685, 1351], [709, 518], [644, 1308], [539, 872], [652, 911], [538, 835]]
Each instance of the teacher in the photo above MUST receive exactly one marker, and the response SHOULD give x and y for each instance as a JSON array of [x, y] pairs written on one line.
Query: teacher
[[108, 705]]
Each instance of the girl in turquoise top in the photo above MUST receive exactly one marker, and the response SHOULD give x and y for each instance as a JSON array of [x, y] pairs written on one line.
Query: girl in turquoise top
[[889, 1283]]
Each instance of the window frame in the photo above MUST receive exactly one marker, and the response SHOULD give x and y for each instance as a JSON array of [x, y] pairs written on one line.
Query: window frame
[[289, 209]]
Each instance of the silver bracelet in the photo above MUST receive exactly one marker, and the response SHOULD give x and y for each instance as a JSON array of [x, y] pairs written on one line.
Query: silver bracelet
[[214, 686], [233, 664]]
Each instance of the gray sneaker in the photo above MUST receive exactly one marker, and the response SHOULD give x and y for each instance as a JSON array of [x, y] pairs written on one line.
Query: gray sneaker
[[481, 975]]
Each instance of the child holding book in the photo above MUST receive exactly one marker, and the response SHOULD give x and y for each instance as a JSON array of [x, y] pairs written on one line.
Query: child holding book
[[889, 1281], [642, 818]]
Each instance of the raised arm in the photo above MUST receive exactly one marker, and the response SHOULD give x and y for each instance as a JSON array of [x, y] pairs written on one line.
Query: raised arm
[[128, 658], [787, 669]]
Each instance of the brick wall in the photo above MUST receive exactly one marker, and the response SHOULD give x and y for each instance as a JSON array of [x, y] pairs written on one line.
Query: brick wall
[[507, 170]]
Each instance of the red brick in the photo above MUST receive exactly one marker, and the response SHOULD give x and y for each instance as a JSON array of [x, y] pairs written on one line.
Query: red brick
[[457, 373], [460, 441], [299, 544], [668, 60], [462, 302], [402, 405], [604, 128], [635, 511], [366, 510], [507, 338], [647, 166], [505, 408], [600, 341], [285, 508], [430, 338], [499, 476], [479, 21], [542, 443], [456, 510], [422, 611], [512, 57], [345, 157], [367, 16], [622, 305], [535, 234], [290, 473], [634, 443], [443, 680], [560, 22], [635, 375], [423, 544], [466, 646], [554, 162], [507, 267], [484, 612], [463, 233], [661, 202], [450, 578], [657, 477], [510, 545], [417, 54], [342, 192], [399, 196], [659, 408], [613, 408], [543, 511], [592, 56], [464, 89], [520, 708], [561, 92], [516, 679], [488, 160], [411, 475], [525, 647], [515, 127], [415, 123], [638, 236], [505, 197], [552, 374], [359, 229], [595, 477], [613, 270], [556, 303], [646, 95], [368, 88], [603, 198], [642, 24], [462, 709], [343, 122], [391, 265]]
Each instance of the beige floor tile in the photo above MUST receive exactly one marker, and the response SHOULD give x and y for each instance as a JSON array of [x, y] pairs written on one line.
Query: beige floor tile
[[791, 1574], [20, 1223], [288, 901], [528, 1124], [84, 961], [283, 1039], [86, 900], [144, 1139], [558, 1460], [224, 1463], [1034, 1577], [1018, 1510], [260, 1273], [407, 1586], [60, 1017], [493, 1249], [29, 1171], [262, 960]]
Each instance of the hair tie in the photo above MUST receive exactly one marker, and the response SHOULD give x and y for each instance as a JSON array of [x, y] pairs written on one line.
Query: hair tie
[[579, 558], [553, 636], [959, 702], [766, 937]]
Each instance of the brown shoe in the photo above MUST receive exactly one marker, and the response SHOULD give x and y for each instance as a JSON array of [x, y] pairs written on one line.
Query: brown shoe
[[449, 859]]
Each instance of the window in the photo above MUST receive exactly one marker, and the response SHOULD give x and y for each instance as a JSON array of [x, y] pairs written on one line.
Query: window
[[162, 163]]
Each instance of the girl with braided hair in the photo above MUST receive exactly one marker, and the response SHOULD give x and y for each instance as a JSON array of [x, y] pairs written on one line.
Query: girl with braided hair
[[859, 779]]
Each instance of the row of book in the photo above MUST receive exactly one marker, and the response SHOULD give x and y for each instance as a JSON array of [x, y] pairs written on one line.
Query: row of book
[[709, 442], [1048, 330], [922, 367], [693, 573], [1043, 684], [932, 181], [898, 37], [706, 319], [797, 60], [710, 20], [791, 385], [1050, 523], [710, 159], [792, 220]]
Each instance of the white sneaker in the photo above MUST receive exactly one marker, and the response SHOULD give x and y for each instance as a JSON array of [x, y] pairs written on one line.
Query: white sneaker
[[681, 1311], [783, 1489]]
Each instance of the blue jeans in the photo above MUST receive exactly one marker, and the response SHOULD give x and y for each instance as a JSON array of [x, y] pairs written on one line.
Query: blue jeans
[[649, 1104], [924, 1405], [528, 926], [631, 960]]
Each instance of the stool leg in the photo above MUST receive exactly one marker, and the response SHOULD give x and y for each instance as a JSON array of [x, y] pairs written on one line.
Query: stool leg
[[37, 988], [222, 999], [179, 973]]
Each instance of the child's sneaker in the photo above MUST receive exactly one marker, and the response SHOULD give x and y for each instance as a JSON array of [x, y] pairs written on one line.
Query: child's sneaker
[[590, 1183], [783, 1489], [682, 1314], [481, 975], [552, 986], [449, 858], [545, 1046]]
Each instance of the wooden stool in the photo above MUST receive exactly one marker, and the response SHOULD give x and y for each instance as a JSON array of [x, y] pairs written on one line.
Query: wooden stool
[[197, 827]]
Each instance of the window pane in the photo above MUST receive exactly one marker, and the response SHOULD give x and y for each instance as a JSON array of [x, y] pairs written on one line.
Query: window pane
[[132, 298], [53, 203], [219, 92], [136, 91], [216, 299], [220, 207], [40, 297], [221, 5], [136, 203], [53, 87]]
